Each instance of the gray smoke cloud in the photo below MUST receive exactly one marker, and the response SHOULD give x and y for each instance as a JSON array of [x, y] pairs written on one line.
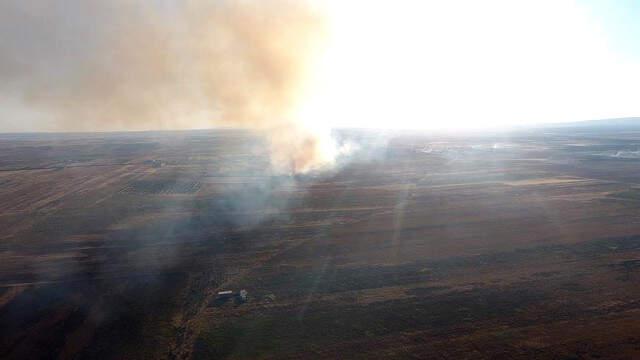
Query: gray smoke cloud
[[88, 65]]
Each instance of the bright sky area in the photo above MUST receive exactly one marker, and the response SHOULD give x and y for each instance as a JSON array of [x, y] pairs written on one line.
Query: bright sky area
[[475, 64]]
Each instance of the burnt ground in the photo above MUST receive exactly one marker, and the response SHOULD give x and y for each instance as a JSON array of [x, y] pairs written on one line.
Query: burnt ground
[[513, 245]]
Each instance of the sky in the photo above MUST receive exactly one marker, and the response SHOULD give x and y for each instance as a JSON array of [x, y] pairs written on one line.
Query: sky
[[619, 22], [376, 63], [465, 64]]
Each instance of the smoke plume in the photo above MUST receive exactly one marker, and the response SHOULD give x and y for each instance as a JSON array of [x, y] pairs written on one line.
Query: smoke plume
[[89, 65]]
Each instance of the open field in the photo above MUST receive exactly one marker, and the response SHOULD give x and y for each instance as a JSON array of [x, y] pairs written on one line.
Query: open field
[[505, 246]]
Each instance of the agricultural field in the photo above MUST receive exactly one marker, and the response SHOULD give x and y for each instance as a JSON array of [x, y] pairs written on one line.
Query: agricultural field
[[512, 245]]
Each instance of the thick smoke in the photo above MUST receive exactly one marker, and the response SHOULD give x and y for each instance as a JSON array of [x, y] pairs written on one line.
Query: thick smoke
[[122, 65]]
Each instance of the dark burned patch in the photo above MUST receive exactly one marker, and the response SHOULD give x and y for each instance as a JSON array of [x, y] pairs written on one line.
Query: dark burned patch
[[328, 278], [584, 250], [626, 268], [162, 187], [331, 279], [137, 319], [426, 291], [317, 325], [546, 274], [36, 321], [129, 317], [627, 265], [218, 343], [629, 194], [574, 287], [609, 245]]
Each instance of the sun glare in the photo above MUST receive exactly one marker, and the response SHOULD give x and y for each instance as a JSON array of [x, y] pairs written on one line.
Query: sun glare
[[466, 64]]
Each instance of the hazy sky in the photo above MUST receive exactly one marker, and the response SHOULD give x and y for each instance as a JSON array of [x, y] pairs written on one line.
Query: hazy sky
[[388, 64]]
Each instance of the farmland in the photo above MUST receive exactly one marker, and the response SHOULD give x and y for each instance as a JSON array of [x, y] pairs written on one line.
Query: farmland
[[514, 245]]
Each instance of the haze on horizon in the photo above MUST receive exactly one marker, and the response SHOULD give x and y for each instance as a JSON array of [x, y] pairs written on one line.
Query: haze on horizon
[[85, 65]]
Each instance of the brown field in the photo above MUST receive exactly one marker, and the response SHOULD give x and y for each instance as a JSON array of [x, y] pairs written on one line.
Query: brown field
[[506, 246]]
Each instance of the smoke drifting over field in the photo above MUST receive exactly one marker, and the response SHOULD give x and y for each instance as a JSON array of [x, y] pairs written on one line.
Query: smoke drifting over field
[[97, 66]]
